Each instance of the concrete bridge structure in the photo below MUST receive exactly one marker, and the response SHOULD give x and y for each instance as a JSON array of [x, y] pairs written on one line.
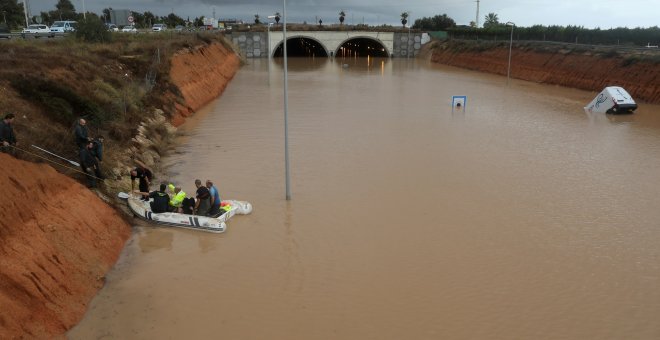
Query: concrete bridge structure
[[265, 44]]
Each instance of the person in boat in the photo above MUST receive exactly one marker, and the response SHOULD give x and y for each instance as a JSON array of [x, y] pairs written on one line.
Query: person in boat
[[143, 175], [203, 202], [215, 198], [188, 205], [90, 165], [160, 199], [177, 198]]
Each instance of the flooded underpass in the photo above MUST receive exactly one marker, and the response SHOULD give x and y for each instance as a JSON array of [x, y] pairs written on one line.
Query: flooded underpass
[[518, 216]]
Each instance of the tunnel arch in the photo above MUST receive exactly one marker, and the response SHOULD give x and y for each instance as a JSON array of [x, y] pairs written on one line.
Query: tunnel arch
[[362, 46], [301, 46]]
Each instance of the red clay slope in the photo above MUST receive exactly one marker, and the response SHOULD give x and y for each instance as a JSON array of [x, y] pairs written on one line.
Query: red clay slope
[[586, 70], [201, 74], [57, 241]]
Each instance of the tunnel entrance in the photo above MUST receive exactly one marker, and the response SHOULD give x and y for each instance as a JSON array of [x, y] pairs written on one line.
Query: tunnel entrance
[[361, 48], [301, 47]]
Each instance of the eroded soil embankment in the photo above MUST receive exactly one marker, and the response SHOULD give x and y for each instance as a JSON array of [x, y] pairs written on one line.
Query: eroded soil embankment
[[586, 70], [57, 241], [201, 74], [57, 238]]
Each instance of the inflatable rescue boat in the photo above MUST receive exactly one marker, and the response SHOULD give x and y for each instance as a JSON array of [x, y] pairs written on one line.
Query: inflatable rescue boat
[[142, 209]]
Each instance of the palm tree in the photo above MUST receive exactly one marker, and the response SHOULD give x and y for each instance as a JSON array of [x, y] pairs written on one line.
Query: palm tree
[[342, 14], [277, 17], [404, 18], [491, 20], [256, 19]]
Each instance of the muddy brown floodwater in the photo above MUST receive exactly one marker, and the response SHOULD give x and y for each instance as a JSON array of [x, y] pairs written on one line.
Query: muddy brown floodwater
[[521, 217]]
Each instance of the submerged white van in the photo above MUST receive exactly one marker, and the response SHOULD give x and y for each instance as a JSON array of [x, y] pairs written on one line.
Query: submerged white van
[[61, 27], [613, 99]]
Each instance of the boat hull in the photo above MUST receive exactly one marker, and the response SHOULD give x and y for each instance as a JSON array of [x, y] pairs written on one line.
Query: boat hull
[[142, 210]]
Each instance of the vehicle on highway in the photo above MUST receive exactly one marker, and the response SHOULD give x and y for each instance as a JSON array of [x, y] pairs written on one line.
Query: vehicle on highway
[[36, 30], [112, 27], [159, 27], [179, 28], [5, 33], [61, 27], [129, 29]]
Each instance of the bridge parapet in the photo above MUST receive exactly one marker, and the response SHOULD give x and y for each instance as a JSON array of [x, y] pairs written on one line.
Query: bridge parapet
[[263, 44]]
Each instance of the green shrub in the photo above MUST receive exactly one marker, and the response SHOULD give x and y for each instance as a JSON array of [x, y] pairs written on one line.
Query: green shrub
[[61, 103], [629, 60], [58, 107], [105, 92], [93, 29]]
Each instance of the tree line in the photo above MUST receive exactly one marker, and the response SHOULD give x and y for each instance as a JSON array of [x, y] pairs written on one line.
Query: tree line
[[567, 34], [494, 30]]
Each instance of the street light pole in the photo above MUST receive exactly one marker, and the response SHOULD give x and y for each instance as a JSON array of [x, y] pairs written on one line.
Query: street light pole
[[25, 10], [269, 24], [508, 70], [286, 112], [408, 42]]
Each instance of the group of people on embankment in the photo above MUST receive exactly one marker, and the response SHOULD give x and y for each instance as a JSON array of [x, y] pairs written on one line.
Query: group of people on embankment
[[90, 151], [168, 197]]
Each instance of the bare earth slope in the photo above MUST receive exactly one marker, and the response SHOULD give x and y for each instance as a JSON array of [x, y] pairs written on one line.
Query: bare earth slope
[[201, 74], [57, 240], [586, 70]]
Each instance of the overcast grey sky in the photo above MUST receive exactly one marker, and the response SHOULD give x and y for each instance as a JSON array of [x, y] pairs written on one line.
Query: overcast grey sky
[[588, 13]]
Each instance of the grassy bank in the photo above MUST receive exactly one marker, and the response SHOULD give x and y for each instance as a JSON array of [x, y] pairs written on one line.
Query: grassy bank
[[115, 85]]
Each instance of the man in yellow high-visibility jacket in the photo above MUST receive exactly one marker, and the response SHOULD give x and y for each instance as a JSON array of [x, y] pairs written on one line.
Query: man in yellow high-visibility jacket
[[177, 198]]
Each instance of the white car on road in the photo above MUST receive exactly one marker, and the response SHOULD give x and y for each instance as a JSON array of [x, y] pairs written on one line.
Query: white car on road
[[61, 27], [159, 27], [36, 30], [129, 29]]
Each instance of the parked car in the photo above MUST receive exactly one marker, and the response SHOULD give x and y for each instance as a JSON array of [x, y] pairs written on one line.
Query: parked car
[[179, 28], [112, 27], [36, 30], [5, 33], [61, 27], [129, 29], [159, 27]]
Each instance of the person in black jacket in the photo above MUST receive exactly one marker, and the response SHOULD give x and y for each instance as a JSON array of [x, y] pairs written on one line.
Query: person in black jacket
[[143, 175], [81, 134], [7, 136], [160, 199], [90, 165]]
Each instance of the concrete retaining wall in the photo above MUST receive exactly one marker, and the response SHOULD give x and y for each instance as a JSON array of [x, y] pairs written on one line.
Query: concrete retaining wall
[[254, 44]]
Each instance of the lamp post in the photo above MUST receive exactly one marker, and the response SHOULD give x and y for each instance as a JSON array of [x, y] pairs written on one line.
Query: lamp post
[[409, 42], [269, 24], [4, 16], [508, 70], [269, 48], [25, 10], [286, 112]]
